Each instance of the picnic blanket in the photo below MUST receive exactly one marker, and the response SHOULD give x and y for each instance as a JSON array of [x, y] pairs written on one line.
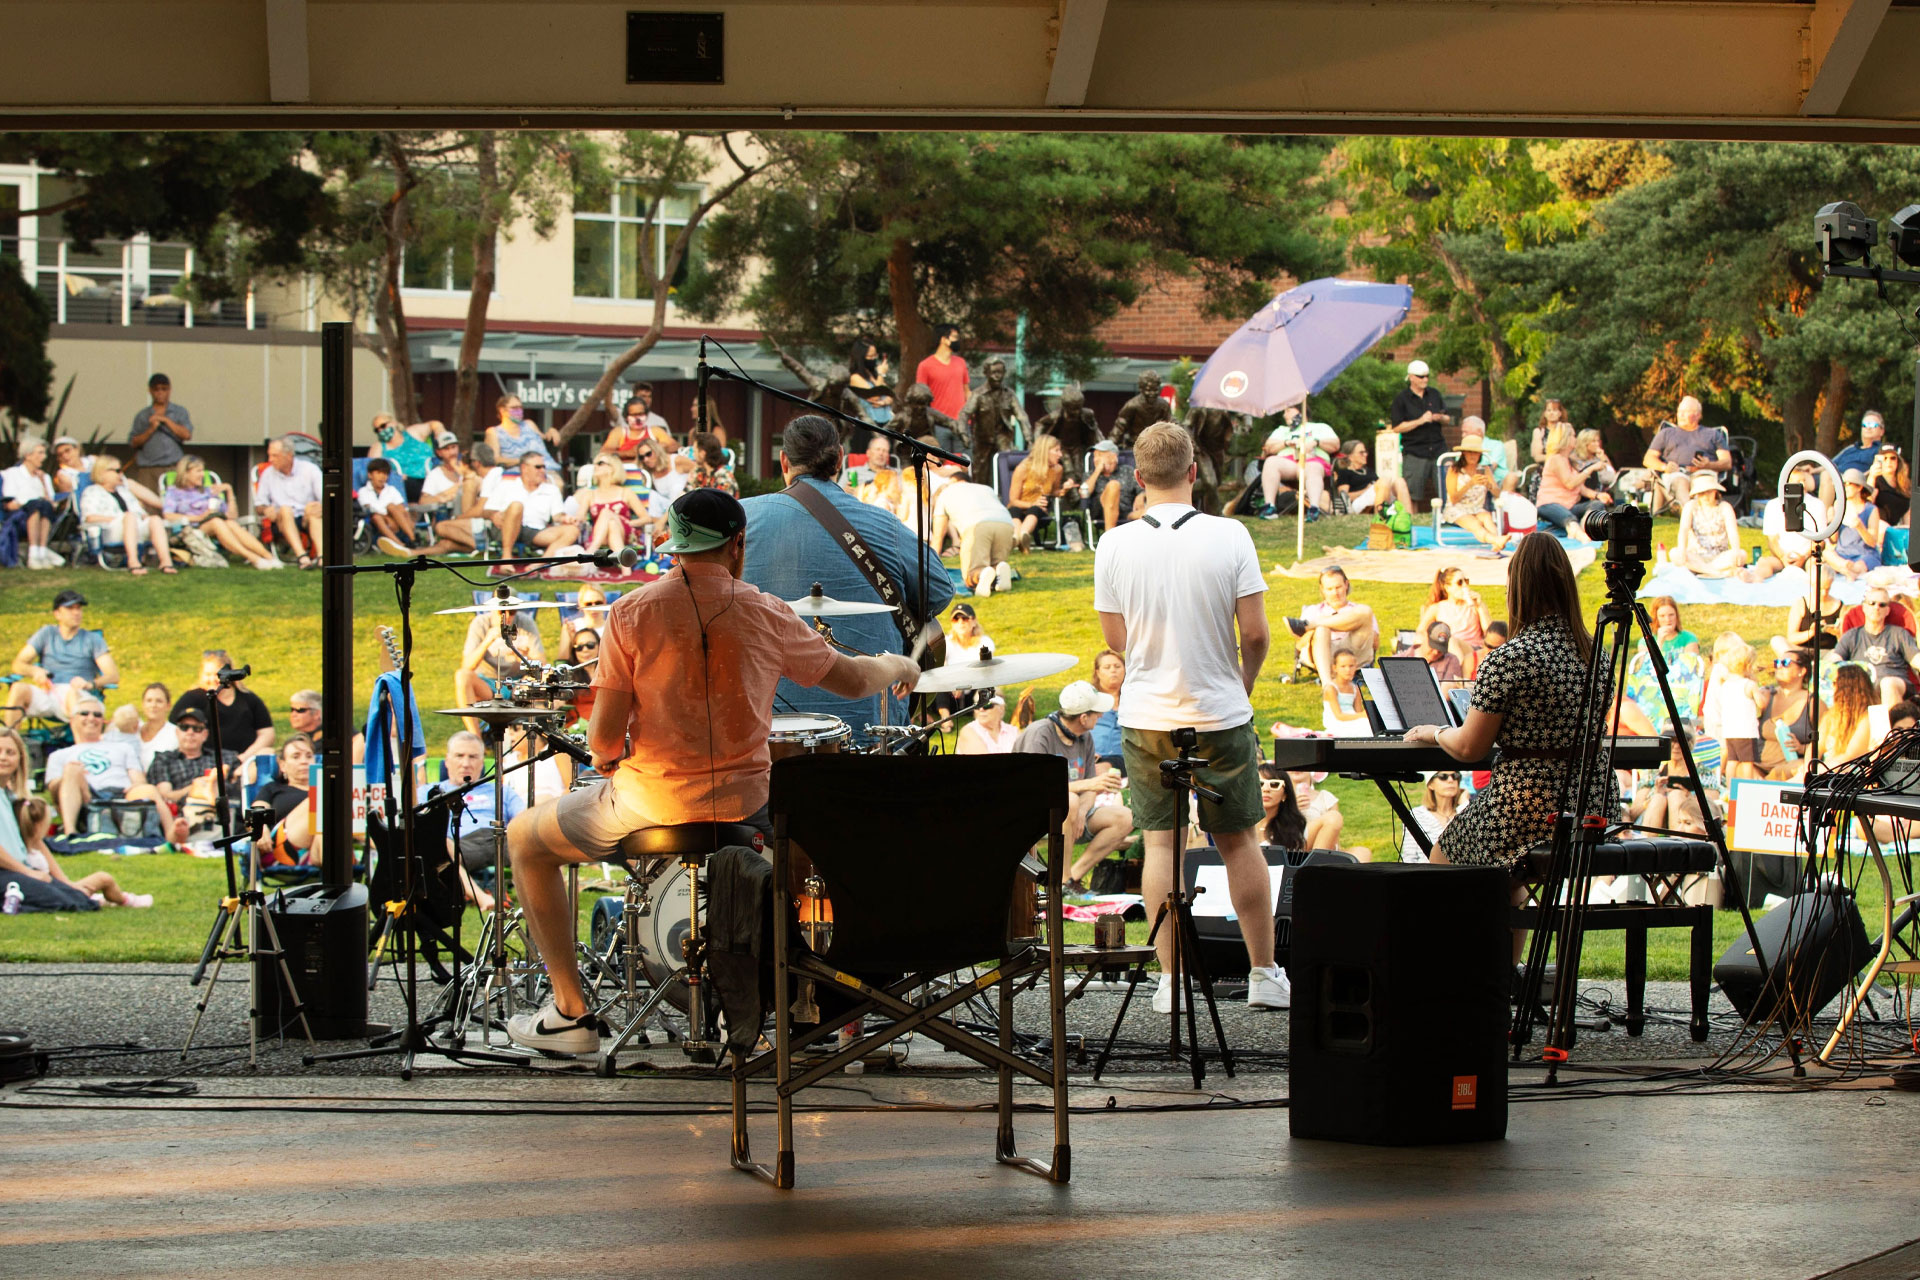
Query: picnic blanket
[[1415, 564], [1777, 592]]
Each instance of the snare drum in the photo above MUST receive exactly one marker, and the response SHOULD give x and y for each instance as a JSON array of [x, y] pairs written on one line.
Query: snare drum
[[794, 735]]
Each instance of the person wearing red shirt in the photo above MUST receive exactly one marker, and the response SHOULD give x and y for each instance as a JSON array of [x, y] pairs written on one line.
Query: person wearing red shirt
[[945, 373]]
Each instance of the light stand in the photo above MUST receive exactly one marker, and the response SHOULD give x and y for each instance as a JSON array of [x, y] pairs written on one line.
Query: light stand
[[1577, 831], [1189, 969]]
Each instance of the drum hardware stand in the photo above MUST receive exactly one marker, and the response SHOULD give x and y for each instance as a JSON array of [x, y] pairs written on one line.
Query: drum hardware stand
[[1189, 969], [1568, 883], [249, 903]]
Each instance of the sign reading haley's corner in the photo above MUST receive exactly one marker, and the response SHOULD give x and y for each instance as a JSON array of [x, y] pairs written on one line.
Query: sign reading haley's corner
[[557, 393]]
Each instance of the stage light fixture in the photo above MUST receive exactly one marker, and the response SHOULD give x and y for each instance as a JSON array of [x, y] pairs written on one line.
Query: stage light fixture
[[1903, 235], [1845, 232]]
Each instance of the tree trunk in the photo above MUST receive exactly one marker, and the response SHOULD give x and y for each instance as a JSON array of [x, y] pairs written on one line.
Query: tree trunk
[[1833, 408], [1796, 415], [486, 231], [389, 310], [1501, 409], [916, 335]]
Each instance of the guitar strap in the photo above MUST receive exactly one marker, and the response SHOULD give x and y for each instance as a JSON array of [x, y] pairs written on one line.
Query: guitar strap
[[841, 530]]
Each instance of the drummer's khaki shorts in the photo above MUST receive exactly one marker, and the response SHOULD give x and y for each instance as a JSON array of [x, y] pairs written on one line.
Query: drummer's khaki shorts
[[984, 545], [596, 818]]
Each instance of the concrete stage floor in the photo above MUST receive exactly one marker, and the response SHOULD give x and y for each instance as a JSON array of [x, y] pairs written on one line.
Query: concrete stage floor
[[1746, 1186]]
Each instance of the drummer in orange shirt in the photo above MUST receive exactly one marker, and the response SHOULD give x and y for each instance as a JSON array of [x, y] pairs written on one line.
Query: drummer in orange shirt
[[682, 709]]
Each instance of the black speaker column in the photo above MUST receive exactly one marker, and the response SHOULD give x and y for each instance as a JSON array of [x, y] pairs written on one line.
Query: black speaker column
[[1399, 1023]]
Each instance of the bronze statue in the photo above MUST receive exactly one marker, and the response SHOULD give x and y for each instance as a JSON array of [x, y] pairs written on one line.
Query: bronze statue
[[1074, 426], [1141, 412], [920, 418], [989, 419], [1211, 430]]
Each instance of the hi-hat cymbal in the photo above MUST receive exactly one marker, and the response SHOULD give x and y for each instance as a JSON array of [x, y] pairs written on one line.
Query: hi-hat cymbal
[[502, 712], [1001, 669], [819, 606], [495, 606]]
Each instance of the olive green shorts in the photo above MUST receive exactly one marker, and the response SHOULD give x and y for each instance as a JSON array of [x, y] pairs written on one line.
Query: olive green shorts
[[1232, 769]]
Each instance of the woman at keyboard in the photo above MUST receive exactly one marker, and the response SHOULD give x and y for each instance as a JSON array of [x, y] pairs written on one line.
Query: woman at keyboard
[[1527, 701]]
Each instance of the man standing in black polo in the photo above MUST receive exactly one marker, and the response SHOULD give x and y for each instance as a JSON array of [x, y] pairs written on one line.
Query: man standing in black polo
[[1418, 414], [159, 435]]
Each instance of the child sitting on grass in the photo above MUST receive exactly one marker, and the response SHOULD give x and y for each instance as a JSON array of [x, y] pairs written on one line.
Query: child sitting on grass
[[34, 818]]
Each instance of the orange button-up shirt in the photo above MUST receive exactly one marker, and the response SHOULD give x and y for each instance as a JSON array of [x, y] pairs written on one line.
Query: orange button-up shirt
[[697, 731]]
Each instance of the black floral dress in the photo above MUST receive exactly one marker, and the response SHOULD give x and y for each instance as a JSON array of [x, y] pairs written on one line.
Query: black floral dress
[[1535, 681]]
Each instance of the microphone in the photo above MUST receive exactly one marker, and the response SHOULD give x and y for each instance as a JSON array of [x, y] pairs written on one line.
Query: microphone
[[567, 746], [701, 373], [503, 595], [625, 558]]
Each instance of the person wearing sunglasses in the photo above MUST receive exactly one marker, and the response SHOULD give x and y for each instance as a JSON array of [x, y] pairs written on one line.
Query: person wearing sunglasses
[[1433, 813], [1786, 728], [529, 505], [94, 768], [1882, 645]]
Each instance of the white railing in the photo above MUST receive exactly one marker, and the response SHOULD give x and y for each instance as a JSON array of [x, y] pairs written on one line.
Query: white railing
[[127, 283]]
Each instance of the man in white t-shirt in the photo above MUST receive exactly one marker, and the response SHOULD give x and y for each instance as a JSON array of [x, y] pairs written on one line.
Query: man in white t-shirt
[[286, 497], [93, 768], [1791, 547], [1172, 589], [985, 529], [530, 503]]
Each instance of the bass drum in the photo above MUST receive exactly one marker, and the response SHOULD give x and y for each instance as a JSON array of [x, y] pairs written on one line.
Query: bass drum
[[663, 927]]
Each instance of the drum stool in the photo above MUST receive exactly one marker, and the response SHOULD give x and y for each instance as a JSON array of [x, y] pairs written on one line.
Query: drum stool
[[690, 844]]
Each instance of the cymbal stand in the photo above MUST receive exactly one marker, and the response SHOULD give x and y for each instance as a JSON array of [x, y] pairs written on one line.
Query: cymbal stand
[[1189, 968], [250, 904]]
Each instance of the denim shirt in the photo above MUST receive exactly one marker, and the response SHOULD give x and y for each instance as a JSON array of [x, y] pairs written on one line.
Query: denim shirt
[[788, 551]]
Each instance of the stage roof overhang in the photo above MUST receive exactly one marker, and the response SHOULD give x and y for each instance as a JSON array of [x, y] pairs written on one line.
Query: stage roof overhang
[[1836, 69]]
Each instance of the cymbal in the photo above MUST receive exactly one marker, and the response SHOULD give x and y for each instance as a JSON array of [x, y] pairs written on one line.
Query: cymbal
[[502, 712], [816, 605], [1001, 669], [494, 606]]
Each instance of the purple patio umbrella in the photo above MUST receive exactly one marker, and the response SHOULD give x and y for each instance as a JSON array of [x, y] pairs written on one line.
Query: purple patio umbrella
[[1298, 343]]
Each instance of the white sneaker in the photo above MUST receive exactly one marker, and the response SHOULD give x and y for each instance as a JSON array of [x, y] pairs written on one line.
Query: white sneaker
[[1003, 576], [36, 558], [1163, 994], [393, 546], [1269, 988], [53, 559], [984, 587], [550, 1032]]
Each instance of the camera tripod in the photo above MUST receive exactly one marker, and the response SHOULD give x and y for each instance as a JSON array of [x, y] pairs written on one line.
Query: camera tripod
[[1189, 968], [1581, 828], [250, 904]]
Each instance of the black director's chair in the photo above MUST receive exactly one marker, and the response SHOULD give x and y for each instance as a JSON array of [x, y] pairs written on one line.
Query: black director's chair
[[921, 887]]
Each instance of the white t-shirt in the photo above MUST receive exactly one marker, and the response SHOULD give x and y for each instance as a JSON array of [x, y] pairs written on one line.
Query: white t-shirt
[[671, 484], [491, 481], [439, 481], [377, 503], [168, 739], [1733, 699], [1177, 589], [966, 504], [958, 653], [106, 764], [17, 486], [537, 509], [1774, 524]]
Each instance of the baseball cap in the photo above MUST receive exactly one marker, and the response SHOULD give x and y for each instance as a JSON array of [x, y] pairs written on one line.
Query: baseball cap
[[1852, 475], [1439, 633], [66, 440], [444, 439], [1106, 446], [1417, 369], [185, 714], [1080, 697], [701, 520], [67, 597], [963, 610]]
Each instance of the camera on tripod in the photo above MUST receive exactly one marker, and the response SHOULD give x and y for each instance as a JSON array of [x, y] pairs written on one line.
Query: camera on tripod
[[1178, 772], [1626, 529]]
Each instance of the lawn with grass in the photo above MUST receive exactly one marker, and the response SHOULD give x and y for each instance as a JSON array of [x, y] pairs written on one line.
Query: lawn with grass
[[157, 627]]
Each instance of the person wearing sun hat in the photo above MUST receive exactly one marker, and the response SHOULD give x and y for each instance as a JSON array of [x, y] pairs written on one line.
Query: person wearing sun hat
[[683, 704], [1861, 529], [1470, 488], [1709, 537]]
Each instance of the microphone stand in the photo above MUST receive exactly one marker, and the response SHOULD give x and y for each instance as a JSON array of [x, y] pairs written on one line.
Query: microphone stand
[[411, 1039], [914, 453]]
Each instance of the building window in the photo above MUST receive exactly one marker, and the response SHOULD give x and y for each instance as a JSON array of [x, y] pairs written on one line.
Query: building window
[[448, 270], [613, 243]]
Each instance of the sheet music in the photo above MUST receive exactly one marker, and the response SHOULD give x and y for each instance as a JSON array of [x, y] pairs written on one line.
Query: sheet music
[[1376, 681]]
